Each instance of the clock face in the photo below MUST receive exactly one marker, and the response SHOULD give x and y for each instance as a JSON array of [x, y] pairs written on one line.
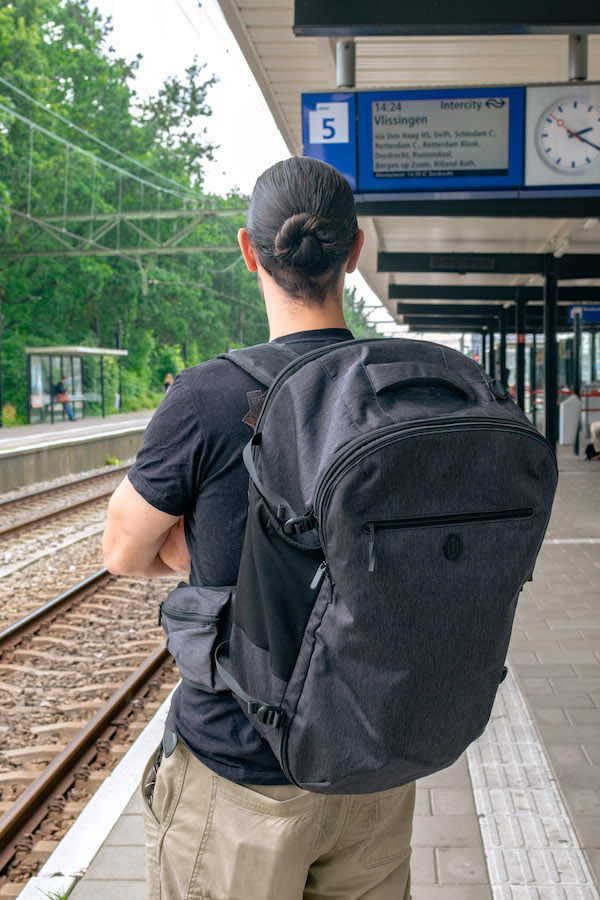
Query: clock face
[[567, 136]]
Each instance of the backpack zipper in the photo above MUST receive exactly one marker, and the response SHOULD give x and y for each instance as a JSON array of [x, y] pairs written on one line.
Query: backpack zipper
[[186, 617], [524, 512], [371, 528], [349, 455]]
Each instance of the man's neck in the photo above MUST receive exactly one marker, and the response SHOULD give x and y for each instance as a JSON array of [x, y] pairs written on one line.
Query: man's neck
[[287, 317]]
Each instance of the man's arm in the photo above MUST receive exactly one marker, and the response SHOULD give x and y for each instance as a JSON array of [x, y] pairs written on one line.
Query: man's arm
[[141, 540]]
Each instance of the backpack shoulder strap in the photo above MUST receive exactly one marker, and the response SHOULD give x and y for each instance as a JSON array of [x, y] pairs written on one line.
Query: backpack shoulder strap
[[263, 361]]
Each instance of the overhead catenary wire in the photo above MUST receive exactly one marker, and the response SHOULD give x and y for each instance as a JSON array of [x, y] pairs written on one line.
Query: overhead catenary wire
[[98, 140], [92, 156]]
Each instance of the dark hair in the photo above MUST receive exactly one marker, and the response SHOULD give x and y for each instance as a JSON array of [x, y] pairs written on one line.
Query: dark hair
[[301, 224]]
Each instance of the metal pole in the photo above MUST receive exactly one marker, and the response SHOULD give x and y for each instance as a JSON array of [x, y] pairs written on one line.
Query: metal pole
[[593, 331], [551, 348], [577, 370], [28, 367], [492, 349], [72, 382], [521, 326], [119, 363], [51, 361], [345, 69], [483, 351], [578, 57], [102, 384], [503, 372], [82, 390], [533, 376]]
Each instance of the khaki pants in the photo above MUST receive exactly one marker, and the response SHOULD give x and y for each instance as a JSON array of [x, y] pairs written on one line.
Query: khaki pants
[[208, 838]]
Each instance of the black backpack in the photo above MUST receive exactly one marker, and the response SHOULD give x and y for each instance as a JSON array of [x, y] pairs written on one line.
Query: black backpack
[[398, 500]]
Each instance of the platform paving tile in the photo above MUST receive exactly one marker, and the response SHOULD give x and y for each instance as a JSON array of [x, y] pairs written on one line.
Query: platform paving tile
[[109, 890]]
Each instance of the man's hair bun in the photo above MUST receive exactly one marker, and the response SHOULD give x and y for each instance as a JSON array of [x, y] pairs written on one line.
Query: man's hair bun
[[298, 244], [301, 224]]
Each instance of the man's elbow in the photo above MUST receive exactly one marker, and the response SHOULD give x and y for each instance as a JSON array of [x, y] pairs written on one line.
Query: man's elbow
[[116, 558]]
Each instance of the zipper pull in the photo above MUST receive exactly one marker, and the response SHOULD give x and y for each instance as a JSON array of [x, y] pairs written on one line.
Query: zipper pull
[[320, 574], [160, 606], [371, 547]]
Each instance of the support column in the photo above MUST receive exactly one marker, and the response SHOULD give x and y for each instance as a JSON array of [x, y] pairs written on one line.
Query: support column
[[551, 349], [521, 326], [593, 332], [102, 385], [119, 339], [51, 361], [483, 351], [577, 370], [492, 369], [533, 376], [503, 370]]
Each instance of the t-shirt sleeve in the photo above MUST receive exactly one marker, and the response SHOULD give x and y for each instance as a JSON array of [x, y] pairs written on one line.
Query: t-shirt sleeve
[[168, 468]]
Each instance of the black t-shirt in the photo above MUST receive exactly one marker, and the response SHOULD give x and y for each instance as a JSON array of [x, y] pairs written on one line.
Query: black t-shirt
[[191, 464]]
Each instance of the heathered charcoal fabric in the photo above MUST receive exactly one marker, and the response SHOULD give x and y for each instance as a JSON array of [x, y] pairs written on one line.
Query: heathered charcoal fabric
[[398, 667], [191, 464]]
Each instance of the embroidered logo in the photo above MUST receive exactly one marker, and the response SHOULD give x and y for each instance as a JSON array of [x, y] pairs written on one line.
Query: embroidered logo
[[255, 402], [453, 547]]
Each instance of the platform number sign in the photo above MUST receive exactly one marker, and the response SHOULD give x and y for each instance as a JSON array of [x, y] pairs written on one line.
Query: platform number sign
[[328, 124], [328, 127]]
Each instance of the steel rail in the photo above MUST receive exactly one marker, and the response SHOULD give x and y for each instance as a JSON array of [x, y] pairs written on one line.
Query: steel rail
[[32, 806], [34, 619], [47, 492], [28, 524]]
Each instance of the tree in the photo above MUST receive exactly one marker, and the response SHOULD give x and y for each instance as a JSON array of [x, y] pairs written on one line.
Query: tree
[[58, 53]]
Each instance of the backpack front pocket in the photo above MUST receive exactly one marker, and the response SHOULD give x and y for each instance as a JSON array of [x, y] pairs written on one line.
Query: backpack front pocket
[[195, 620]]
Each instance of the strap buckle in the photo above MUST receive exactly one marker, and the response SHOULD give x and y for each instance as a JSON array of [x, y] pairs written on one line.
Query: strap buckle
[[300, 524], [270, 715]]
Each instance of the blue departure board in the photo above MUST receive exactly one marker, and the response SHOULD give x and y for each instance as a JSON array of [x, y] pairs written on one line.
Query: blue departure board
[[465, 139]]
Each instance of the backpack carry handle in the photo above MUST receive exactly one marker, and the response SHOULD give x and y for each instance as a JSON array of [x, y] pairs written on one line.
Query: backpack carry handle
[[384, 376]]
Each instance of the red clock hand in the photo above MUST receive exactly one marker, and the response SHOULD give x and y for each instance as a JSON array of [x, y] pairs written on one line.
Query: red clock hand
[[561, 124]]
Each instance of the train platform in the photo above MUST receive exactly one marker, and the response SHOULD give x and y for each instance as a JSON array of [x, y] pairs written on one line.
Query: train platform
[[34, 453], [516, 818]]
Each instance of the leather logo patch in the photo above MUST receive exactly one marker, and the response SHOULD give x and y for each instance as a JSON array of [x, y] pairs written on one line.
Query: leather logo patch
[[453, 547], [255, 402]]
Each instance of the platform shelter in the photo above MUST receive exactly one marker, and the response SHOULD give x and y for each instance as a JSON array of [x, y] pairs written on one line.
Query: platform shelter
[[46, 366]]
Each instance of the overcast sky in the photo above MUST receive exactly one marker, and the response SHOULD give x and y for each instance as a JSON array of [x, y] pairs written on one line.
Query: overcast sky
[[169, 34]]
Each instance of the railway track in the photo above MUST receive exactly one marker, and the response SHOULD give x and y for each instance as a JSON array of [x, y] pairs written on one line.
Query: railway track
[[36, 508], [93, 652]]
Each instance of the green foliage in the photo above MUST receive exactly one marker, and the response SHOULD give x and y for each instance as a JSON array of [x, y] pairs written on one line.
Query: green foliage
[[58, 52], [355, 316], [171, 309]]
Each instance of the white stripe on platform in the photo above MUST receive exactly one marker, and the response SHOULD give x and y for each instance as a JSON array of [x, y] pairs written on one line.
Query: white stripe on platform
[[86, 836], [531, 848], [572, 541]]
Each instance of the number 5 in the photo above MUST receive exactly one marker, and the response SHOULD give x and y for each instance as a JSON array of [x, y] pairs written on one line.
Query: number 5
[[328, 128]]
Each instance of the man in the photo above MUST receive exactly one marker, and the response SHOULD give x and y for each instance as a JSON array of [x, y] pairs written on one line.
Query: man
[[222, 821], [62, 395]]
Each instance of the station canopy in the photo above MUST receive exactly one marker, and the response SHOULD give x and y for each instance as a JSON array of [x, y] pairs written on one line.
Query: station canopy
[[287, 65], [73, 351]]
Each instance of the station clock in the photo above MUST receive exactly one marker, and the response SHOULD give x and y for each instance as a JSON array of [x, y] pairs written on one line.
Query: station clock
[[567, 136]]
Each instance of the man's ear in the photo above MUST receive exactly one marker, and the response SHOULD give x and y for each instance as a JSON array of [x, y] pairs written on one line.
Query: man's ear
[[359, 239], [247, 251]]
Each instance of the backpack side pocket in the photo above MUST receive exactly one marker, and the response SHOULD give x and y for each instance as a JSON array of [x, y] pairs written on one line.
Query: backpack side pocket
[[195, 620]]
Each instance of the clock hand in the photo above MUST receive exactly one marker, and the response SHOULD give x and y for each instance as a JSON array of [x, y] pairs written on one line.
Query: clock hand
[[577, 133], [585, 141], [561, 124]]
